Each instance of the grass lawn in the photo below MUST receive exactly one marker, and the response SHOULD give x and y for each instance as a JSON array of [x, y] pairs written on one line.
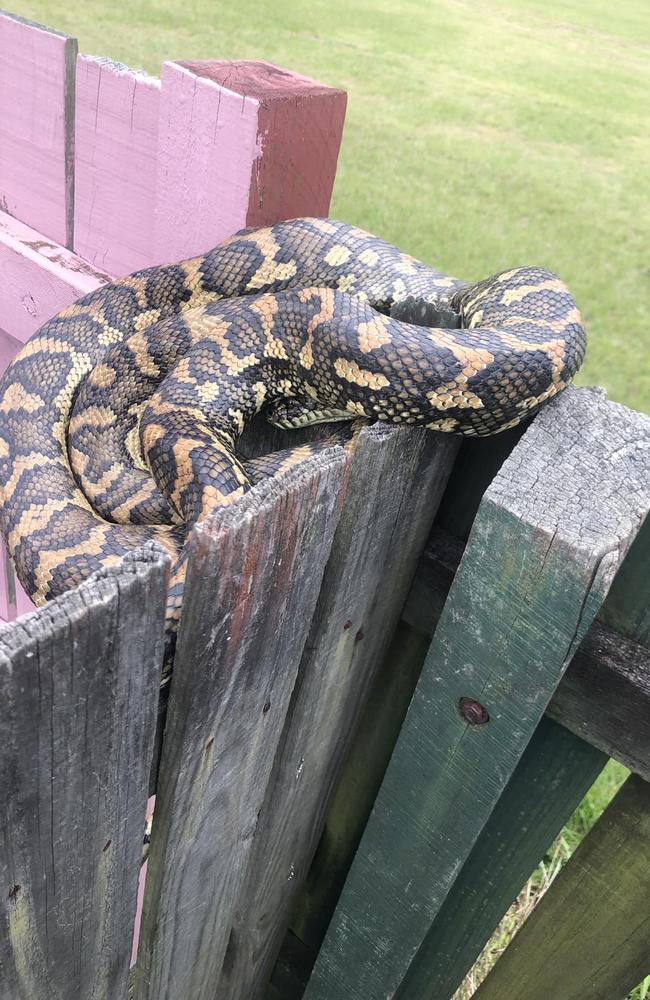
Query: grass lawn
[[480, 135]]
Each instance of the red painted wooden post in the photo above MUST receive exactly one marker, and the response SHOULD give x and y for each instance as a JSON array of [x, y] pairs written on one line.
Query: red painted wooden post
[[241, 144], [36, 126], [116, 148]]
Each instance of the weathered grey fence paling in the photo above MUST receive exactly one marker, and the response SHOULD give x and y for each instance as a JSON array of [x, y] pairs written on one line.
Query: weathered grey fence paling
[[392, 470], [260, 563], [78, 685], [240, 735]]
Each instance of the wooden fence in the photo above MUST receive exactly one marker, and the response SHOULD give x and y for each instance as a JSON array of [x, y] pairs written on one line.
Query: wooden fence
[[104, 170], [398, 670]]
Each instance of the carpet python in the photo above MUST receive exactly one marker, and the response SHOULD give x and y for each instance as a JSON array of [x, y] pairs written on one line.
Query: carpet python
[[119, 419]]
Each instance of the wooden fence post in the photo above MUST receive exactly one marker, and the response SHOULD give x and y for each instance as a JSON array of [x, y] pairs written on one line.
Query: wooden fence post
[[591, 930], [590, 934], [79, 684], [241, 144], [603, 698], [116, 158], [396, 480], [253, 580], [551, 532], [553, 775]]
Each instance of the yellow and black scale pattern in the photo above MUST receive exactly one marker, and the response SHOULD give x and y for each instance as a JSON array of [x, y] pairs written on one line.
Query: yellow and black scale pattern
[[119, 419]]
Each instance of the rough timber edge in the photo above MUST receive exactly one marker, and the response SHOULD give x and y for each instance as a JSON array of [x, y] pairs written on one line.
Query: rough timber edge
[[100, 586]]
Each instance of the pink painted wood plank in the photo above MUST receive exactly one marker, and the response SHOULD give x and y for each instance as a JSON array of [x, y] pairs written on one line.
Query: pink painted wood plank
[[36, 126], [241, 143], [23, 602], [14, 602], [143, 875], [38, 278], [116, 146], [229, 144], [207, 147]]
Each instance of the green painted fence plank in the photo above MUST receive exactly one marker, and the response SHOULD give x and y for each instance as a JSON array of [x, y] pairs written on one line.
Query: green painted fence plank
[[601, 944], [604, 696], [554, 773], [590, 934], [551, 531]]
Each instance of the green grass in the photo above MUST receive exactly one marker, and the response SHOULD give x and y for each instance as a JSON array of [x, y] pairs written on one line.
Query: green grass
[[480, 135]]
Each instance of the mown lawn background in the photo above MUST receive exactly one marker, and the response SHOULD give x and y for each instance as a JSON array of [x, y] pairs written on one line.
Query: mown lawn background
[[480, 135]]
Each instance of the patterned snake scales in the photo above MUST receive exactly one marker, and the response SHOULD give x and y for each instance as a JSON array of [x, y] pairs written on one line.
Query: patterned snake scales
[[119, 418]]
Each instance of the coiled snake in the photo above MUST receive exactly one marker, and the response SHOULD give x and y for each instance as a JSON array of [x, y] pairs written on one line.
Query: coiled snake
[[120, 417]]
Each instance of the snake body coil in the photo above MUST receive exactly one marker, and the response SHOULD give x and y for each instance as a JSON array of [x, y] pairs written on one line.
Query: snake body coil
[[119, 418]]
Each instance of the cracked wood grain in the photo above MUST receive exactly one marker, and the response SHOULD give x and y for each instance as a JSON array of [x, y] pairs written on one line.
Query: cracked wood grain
[[79, 683], [551, 531]]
